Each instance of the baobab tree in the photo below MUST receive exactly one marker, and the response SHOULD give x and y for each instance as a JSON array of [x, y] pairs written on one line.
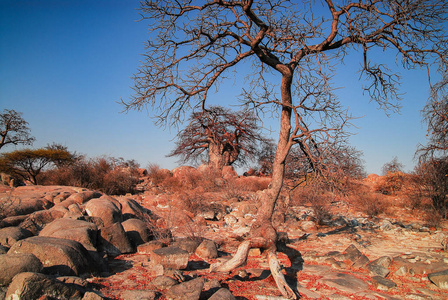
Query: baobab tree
[[14, 129], [290, 50], [219, 136]]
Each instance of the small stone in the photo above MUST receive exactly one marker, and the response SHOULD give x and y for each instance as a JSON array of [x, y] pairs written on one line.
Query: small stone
[[163, 282], [148, 247], [189, 290], [171, 257], [382, 283], [440, 279], [207, 250], [254, 252], [139, 294], [222, 294]]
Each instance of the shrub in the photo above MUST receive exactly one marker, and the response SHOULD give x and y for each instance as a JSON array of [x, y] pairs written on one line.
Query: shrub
[[107, 174], [315, 195], [372, 204], [157, 175], [391, 183]]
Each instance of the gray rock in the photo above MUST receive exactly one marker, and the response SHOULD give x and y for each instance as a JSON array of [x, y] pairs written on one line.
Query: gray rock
[[139, 295], [170, 257], [37, 220], [222, 294], [131, 209], [380, 266], [92, 296], [137, 231], [440, 279], [35, 285], [377, 270], [352, 254], [58, 256], [115, 241], [163, 282], [10, 235], [190, 290], [105, 209], [207, 250], [188, 245], [382, 283], [15, 263], [83, 232], [361, 262], [150, 246], [345, 282]]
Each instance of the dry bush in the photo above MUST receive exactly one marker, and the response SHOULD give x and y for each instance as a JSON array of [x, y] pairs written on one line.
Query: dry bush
[[192, 202], [233, 190], [371, 203], [158, 175], [8, 205], [433, 218], [391, 183], [315, 196], [106, 174]]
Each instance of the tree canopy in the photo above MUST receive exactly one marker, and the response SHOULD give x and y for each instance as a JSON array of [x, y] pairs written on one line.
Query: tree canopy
[[14, 129], [219, 137], [291, 51], [28, 163]]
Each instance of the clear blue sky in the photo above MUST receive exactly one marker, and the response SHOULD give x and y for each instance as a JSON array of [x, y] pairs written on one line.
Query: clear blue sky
[[66, 63]]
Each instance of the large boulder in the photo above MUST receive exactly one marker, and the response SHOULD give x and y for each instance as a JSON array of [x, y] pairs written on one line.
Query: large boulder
[[189, 290], [10, 235], [137, 231], [84, 196], [170, 257], [58, 256], [83, 232], [37, 220], [30, 285], [132, 209], [115, 241], [15, 263], [105, 209]]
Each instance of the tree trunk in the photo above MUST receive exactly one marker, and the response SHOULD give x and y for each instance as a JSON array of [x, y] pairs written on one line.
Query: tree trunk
[[220, 155], [215, 157], [263, 234]]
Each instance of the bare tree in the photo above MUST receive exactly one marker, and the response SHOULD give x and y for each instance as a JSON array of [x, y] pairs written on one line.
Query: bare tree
[[435, 115], [290, 50], [14, 129], [219, 136]]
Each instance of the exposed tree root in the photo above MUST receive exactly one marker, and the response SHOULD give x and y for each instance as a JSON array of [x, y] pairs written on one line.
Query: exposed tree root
[[237, 260], [240, 258], [276, 271]]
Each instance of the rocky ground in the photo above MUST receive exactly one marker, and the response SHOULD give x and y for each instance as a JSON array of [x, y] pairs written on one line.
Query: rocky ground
[[73, 243]]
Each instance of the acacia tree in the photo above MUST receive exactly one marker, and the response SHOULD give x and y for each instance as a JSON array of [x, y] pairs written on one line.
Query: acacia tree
[[28, 163], [14, 129], [291, 50], [222, 136]]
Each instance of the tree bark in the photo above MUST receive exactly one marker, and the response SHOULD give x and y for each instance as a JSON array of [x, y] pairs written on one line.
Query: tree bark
[[263, 234]]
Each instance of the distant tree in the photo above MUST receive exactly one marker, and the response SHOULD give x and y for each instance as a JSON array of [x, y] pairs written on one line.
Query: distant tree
[[219, 136], [14, 129], [393, 166], [28, 163], [59, 163], [289, 52]]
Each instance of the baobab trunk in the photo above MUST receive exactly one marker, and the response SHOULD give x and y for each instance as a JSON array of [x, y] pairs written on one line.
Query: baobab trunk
[[220, 155]]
